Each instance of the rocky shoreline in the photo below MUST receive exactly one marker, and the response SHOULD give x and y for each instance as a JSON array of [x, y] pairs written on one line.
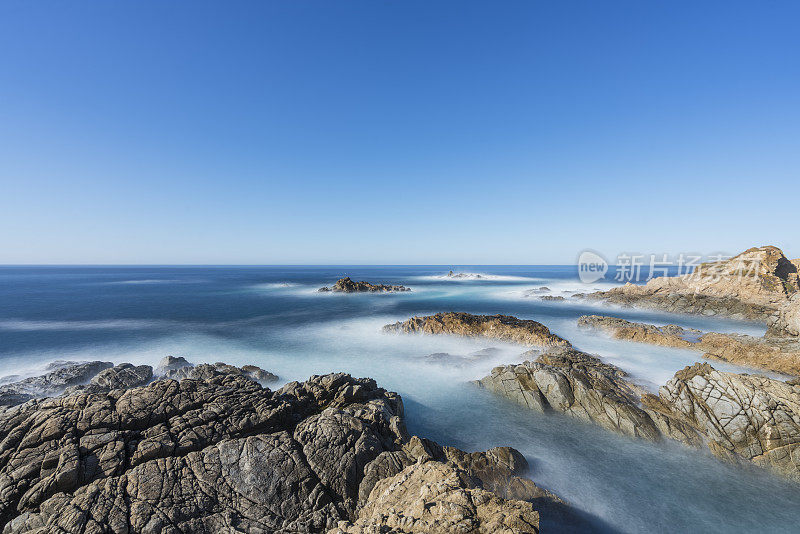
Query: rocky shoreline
[[753, 285], [207, 448], [771, 353], [740, 418], [346, 285]]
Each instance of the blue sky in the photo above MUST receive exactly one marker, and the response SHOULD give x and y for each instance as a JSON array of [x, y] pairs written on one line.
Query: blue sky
[[395, 131]]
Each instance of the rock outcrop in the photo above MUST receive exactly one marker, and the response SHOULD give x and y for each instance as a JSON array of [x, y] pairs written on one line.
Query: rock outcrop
[[436, 497], [743, 418], [346, 285], [753, 285], [223, 454], [786, 322], [773, 353], [178, 369], [59, 377], [502, 327], [740, 417], [575, 383]]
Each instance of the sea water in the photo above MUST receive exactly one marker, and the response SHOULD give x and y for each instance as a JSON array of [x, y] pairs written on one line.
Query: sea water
[[275, 318]]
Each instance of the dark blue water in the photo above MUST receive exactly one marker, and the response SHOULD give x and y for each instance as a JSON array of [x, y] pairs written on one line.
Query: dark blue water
[[273, 317]]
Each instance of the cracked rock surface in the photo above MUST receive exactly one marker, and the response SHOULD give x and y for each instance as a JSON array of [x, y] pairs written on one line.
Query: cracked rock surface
[[743, 417], [223, 454], [575, 383]]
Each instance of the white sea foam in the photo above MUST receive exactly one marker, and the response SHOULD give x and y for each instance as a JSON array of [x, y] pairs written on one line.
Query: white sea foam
[[111, 324], [473, 277]]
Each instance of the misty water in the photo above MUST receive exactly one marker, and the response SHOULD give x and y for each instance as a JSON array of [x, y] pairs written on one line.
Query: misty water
[[275, 318]]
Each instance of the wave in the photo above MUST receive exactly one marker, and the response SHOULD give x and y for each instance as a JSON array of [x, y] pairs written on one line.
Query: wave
[[469, 277], [276, 285], [21, 325]]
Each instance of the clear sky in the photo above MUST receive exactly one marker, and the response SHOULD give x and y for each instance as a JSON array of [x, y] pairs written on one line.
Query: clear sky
[[395, 131]]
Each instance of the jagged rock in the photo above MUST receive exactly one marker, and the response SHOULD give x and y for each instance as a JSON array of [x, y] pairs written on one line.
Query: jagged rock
[[122, 376], [552, 297], [435, 497], [779, 354], [752, 285], [578, 384], [786, 321], [63, 375], [225, 454], [502, 327], [179, 368], [742, 417], [170, 364], [346, 285]]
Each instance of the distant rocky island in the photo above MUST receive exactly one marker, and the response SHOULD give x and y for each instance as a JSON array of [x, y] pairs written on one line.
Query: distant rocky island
[[208, 449], [346, 285]]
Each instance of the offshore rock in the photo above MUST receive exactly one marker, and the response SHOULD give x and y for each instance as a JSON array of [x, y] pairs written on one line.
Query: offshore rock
[[753, 285], [223, 454], [346, 285], [502, 327]]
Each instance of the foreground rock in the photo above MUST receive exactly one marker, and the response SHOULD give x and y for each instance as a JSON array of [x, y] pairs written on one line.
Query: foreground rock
[[743, 418], [346, 285], [753, 285], [502, 327], [224, 454], [779, 354], [61, 375]]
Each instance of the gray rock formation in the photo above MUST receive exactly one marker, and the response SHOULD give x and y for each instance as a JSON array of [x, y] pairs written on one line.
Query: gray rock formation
[[740, 417], [502, 327], [62, 375], [179, 368], [222, 454], [575, 383], [771, 352], [346, 285], [753, 285]]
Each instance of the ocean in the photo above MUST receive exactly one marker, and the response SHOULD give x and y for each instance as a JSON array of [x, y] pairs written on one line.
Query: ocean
[[274, 317]]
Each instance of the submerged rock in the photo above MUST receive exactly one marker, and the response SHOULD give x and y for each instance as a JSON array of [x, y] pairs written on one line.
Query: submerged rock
[[753, 285], [502, 327], [62, 375], [346, 285], [779, 354], [224, 454]]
